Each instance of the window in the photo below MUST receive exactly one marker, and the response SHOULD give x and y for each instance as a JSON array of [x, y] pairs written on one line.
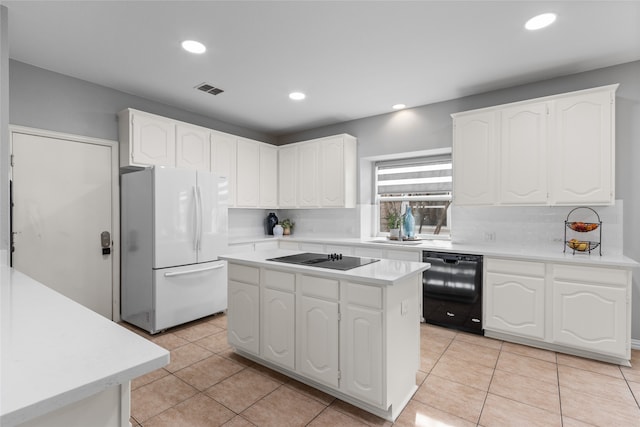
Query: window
[[423, 183]]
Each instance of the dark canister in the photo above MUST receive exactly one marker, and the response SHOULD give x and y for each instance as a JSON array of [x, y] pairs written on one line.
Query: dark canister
[[270, 222]]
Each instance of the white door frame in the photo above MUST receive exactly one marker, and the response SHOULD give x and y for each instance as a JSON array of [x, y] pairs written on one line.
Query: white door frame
[[115, 197]]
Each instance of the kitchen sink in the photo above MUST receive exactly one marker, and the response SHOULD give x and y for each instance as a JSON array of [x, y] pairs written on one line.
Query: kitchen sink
[[397, 242]]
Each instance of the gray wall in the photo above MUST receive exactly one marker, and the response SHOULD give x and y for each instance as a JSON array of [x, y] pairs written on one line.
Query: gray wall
[[429, 127], [47, 100]]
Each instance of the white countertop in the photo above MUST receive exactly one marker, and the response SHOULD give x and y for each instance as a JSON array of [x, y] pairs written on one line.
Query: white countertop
[[490, 249], [56, 352], [384, 272]]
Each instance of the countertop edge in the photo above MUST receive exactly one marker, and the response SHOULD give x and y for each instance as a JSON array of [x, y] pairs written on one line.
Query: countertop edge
[[363, 274]]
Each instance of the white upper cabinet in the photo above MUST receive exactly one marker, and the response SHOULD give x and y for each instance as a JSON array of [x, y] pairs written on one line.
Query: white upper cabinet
[[474, 172], [318, 173], [223, 160], [287, 176], [337, 174], [583, 153], [248, 173], [193, 150], [557, 150], [523, 154], [146, 139], [308, 156], [268, 176]]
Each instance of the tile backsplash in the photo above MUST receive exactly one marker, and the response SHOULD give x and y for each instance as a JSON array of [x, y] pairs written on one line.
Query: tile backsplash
[[541, 226], [536, 225]]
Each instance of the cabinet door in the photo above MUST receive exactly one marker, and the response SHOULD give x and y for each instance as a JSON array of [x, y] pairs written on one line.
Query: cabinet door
[[268, 176], [583, 154], [153, 140], [278, 327], [515, 304], [307, 193], [193, 150], [474, 165], [591, 317], [223, 161], [318, 340], [331, 173], [363, 354], [243, 316], [287, 176], [523, 154], [248, 173]]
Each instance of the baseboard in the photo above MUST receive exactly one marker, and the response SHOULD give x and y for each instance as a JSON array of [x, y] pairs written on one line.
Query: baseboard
[[635, 344]]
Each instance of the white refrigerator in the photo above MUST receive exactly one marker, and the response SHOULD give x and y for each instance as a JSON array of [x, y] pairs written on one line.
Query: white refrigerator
[[173, 226]]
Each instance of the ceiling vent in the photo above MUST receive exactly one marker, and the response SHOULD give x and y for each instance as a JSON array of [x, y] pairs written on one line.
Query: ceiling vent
[[205, 87]]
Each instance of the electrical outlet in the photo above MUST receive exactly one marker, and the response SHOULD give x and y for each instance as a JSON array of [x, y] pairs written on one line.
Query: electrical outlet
[[404, 307], [490, 236]]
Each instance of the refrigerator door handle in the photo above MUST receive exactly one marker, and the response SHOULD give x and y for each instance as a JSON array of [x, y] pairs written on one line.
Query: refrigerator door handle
[[199, 270], [201, 217], [196, 226]]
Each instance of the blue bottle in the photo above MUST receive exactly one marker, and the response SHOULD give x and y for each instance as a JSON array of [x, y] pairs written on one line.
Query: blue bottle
[[409, 224]]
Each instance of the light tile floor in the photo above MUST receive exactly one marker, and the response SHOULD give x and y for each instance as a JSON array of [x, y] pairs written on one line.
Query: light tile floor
[[464, 380]]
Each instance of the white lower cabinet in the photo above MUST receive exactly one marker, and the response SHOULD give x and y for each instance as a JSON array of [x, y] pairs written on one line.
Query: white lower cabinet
[[363, 343], [342, 337], [243, 313], [318, 329], [569, 308], [515, 298], [278, 318], [591, 309]]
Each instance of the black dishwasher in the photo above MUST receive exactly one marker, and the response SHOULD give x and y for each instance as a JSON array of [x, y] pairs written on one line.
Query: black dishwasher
[[452, 291]]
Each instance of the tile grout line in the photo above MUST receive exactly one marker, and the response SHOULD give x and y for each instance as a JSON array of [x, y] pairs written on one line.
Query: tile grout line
[[493, 373]]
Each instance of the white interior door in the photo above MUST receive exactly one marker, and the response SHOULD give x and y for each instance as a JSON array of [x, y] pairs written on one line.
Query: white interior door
[[62, 202]]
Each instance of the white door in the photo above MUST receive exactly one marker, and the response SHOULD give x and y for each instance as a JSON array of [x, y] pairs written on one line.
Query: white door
[[174, 227], [523, 154], [244, 316], [223, 161], [318, 337], [153, 140], [268, 176], [248, 173], [278, 327], [332, 172], [63, 199], [308, 174], [193, 150], [212, 196], [287, 176], [474, 174]]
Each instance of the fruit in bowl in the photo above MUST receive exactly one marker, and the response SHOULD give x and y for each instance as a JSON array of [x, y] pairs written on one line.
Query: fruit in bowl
[[578, 245], [583, 226]]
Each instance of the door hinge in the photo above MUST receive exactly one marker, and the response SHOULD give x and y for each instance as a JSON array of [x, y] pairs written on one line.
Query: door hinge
[[339, 374], [339, 315], [11, 161]]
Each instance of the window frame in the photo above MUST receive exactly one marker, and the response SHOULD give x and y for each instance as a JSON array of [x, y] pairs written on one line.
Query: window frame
[[408, 160]]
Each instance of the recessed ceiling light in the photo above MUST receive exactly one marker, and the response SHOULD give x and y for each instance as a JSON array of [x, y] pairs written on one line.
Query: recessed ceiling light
[[193, 46], [398, 106], [297, 96], [540, 21]]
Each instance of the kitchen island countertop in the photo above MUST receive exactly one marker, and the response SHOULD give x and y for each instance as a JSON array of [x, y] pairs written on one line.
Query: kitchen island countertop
[[56, 352], [382, 273]]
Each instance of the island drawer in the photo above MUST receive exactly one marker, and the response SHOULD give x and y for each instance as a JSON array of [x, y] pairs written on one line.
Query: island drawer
[[320, 287], [279, 280], [244, 273], [364, 295]]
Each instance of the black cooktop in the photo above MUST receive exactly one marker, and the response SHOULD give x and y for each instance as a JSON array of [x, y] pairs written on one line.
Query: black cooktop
[[332, 261]]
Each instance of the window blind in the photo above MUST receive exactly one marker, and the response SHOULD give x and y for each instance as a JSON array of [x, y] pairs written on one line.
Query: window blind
[[432, 175]]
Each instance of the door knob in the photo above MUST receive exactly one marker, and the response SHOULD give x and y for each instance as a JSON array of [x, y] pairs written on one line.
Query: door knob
[[105, 242]]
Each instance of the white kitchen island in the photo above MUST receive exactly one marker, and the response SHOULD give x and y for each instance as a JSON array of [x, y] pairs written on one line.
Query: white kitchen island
[[353, 334], [63, 364]]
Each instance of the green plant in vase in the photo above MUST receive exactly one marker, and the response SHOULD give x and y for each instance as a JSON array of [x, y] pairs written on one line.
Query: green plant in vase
[[394, 222], [287, 226]]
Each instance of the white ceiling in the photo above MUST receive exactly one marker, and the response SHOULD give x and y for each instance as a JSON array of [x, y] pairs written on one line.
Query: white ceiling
[[353, 59]]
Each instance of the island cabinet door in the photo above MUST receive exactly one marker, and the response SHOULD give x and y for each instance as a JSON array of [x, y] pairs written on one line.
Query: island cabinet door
[[278, 332], [362, 354], [318, 340], [243, 316]]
